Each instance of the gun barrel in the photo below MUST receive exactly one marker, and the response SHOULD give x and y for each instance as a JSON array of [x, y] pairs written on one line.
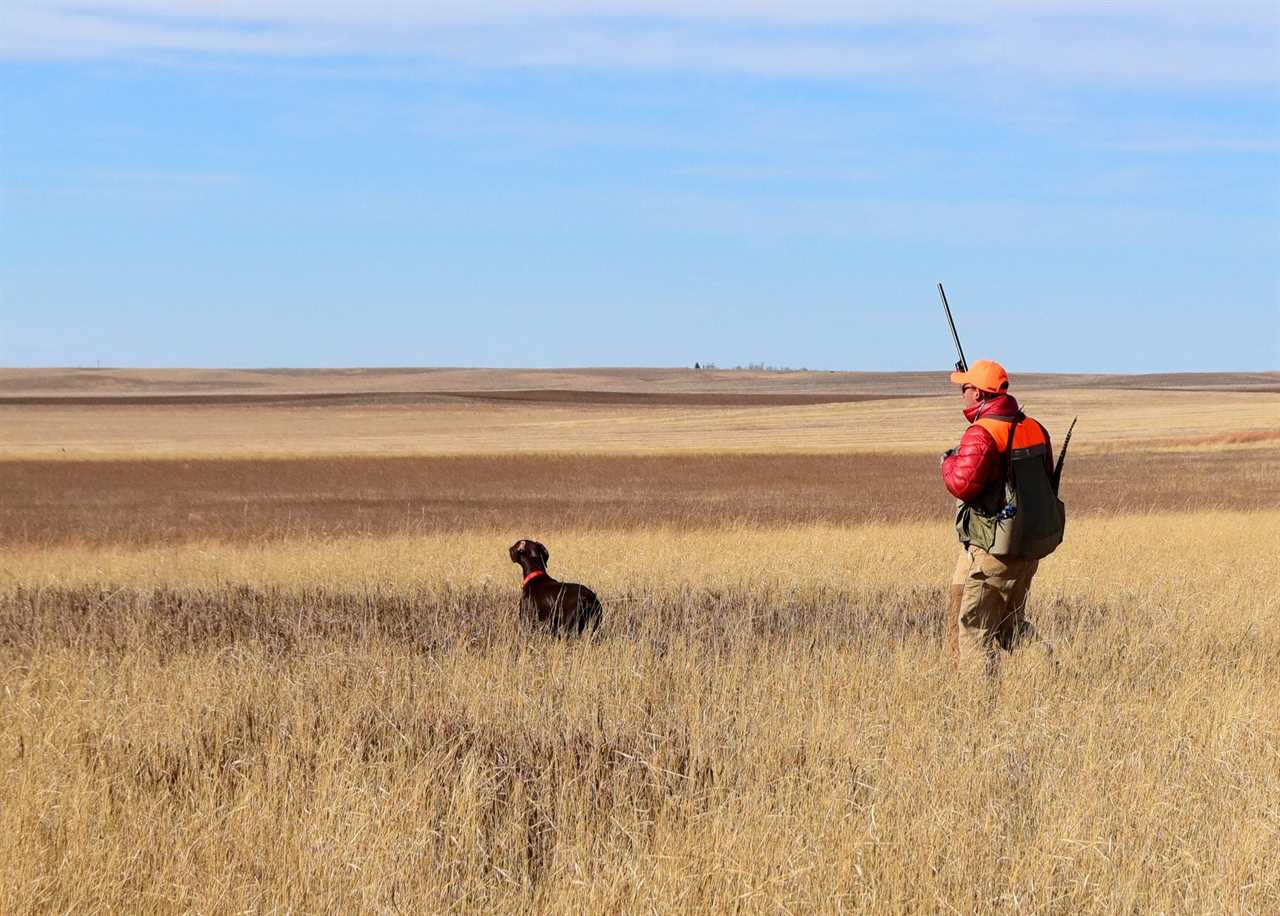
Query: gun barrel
[[962, 365]]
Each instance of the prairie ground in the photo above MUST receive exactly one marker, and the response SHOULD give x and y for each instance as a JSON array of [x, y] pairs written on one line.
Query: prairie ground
[[295, 684], [150, 501], [78, 415]]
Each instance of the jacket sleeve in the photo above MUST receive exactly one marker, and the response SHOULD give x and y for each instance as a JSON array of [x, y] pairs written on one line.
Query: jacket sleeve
[[970, 467]]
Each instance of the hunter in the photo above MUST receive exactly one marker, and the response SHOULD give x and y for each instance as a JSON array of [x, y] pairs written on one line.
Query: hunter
[[1008, 516]]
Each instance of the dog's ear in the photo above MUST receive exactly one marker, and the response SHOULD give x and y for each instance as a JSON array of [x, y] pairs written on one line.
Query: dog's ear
[[542, 551]]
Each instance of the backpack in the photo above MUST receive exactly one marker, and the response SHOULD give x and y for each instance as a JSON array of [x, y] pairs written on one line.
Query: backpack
[[1020, 516]]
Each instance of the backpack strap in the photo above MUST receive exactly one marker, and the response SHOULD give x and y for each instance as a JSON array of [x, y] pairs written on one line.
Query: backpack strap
[[1009, 510], [1008, 451]]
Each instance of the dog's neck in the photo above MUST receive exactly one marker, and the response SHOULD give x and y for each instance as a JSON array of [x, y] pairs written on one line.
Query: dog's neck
[[529, 564], [531, 575]]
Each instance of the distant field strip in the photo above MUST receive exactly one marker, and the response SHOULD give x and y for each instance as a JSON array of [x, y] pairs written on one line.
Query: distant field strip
[[649, 381], [530, 396], [152, 501], [1109, 419]]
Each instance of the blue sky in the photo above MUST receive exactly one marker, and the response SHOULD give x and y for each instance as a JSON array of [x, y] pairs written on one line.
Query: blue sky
[[640, 182]]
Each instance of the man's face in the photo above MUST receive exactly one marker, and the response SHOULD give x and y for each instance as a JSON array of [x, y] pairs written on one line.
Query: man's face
[[971, 396]]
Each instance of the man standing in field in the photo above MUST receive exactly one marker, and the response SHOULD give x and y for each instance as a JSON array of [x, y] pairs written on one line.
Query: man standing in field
[[1008, 516]]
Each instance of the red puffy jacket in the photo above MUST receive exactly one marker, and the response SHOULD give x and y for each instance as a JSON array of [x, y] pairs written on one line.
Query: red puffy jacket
[[977, 461]]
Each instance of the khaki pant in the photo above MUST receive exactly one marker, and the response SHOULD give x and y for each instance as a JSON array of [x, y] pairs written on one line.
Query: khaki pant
[[987, 611]]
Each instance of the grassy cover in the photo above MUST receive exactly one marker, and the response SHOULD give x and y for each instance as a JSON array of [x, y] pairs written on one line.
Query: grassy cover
[[767, 723]]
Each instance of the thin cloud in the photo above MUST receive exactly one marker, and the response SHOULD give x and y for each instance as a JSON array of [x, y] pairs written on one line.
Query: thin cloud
[[1196, 144], [1137, 43], [134, 187], [399, 13]]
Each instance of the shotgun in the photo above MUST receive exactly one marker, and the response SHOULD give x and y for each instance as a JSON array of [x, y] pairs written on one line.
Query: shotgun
[[961, 365]]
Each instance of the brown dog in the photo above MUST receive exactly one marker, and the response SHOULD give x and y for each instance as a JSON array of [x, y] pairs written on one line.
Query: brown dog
[[562, 607]]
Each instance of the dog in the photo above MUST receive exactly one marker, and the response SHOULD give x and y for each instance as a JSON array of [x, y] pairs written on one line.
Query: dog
[[563, 608]]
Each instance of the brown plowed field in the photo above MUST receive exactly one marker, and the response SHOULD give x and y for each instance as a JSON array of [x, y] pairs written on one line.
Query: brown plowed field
[[159, 501]]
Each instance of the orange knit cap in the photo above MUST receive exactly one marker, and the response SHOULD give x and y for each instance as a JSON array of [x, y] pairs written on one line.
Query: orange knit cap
[[985, 375]]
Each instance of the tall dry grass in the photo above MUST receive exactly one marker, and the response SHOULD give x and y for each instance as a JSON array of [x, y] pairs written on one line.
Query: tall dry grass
[[766, 724]]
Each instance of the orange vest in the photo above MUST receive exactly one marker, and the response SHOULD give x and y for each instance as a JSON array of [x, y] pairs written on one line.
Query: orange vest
[[1029, 433]]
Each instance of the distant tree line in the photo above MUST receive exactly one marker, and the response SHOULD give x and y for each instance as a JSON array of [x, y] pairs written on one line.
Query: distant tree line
[[753, 367]]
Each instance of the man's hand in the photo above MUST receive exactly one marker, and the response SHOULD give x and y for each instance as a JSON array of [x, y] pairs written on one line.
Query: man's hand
[[945, 455]]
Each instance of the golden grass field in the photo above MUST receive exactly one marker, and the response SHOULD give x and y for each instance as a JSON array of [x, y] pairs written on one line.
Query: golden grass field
[[260, 664]]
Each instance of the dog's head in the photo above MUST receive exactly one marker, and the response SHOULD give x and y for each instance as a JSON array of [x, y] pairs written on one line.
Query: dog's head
[[529, 554]]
